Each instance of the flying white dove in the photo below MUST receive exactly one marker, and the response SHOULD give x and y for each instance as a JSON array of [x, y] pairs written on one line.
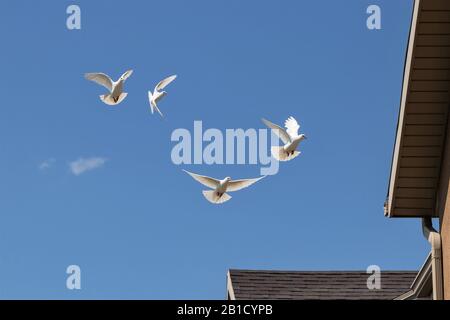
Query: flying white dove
[[116, 94], [290, 138], [218, 195], [157, 94]]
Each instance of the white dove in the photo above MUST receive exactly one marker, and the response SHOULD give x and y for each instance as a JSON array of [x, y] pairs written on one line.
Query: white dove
[[290, 138], [157, 95], [218, 195], [116, 94]]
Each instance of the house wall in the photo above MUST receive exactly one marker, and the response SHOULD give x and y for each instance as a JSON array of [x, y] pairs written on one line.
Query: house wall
[[443, 207]]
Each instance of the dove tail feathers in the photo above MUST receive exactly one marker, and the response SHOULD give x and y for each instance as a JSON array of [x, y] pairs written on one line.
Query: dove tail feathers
[[153, 105], [213, 197], [106, 98], [281, 155]]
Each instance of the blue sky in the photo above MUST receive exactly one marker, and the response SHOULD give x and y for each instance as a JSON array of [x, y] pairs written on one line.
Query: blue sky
[[137, 225]]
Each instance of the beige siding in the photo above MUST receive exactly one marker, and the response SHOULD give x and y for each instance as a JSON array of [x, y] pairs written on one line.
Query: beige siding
[[444, 213]]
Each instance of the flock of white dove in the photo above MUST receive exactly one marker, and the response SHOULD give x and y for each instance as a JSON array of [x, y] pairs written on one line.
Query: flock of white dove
[[218, 194]]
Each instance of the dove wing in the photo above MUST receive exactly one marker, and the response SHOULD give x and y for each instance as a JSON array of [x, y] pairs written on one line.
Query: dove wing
[[101, 79], [236, 185], [292, 127], [126, 75], [164, 83], [206, 181], [279, 131]]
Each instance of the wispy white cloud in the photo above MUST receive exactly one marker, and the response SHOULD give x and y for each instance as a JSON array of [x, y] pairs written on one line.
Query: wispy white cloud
[[82, 165], [47, 164]]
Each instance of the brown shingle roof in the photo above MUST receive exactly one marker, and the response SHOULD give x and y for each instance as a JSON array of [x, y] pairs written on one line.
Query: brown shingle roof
[[326, 285]]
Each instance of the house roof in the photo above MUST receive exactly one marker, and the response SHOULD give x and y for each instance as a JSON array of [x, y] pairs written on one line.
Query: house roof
[[423, 115], [422, 286], [308, 285]]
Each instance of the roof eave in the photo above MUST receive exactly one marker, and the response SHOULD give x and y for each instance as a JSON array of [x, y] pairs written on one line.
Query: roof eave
[[400, 124], [420, 283], [230, 290]]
